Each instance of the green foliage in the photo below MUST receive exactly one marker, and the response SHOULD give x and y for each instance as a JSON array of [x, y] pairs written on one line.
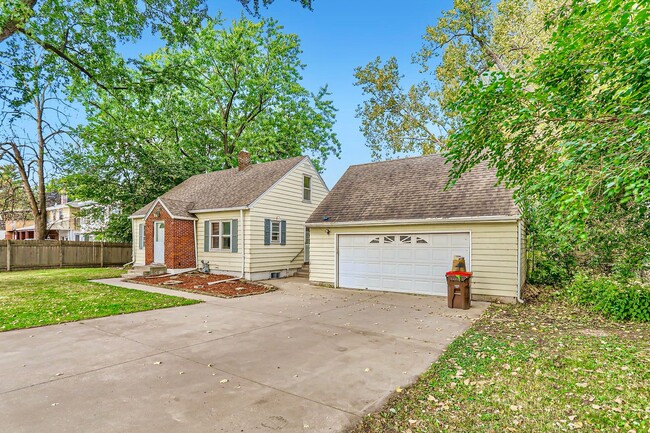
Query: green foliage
[[571, 134], [474, 35], [223, 89], [12, 194], [618, 299]]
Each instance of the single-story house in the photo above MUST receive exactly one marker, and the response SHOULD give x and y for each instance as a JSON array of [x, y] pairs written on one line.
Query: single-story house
[[246, 221], [393, 226]]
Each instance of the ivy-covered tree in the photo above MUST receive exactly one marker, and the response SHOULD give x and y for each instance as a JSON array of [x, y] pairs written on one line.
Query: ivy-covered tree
[[223, 89], [572, 134]]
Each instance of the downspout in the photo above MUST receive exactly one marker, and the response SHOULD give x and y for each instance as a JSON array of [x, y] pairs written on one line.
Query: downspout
[[133, 242], [519, 263], [243, 243], [196, 245]]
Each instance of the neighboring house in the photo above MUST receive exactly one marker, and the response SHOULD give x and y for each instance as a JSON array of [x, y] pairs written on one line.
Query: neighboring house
[[65, 221], [392, 226], [247, 221]]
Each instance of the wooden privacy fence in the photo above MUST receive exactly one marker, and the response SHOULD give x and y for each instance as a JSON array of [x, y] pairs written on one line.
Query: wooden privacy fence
[[28, 254]]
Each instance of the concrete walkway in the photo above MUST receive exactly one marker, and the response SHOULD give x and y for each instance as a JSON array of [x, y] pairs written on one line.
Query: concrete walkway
[[301, 359]]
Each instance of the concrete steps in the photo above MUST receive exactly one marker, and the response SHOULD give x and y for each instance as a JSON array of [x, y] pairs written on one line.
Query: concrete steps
[[302, 272], [146, 271]]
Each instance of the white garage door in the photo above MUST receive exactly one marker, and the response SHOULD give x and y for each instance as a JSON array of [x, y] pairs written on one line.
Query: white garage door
[[409, 263]]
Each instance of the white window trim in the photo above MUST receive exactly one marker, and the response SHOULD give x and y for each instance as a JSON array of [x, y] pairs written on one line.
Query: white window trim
[[305, 189], [221, 235], [279, 224]]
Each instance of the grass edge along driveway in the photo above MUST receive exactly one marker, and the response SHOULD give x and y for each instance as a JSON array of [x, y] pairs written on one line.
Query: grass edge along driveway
[[540, 367], [50, 296]]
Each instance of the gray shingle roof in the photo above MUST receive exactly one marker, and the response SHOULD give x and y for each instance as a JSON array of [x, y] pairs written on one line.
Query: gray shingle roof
[[223, 189], [413, 188]]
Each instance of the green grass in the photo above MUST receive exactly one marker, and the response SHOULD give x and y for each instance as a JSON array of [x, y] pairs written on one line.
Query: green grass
[[45, 297], [543, 367]]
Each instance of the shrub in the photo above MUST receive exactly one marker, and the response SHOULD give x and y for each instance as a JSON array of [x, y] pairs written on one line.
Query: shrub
[[618, 299]]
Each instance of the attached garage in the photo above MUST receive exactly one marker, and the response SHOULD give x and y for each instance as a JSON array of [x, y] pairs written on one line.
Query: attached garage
[[399, 262], [392, 226]]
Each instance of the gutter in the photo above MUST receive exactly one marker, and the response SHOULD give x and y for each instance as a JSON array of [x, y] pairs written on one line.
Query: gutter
[[223, 209], [458, 220], [196, 246]]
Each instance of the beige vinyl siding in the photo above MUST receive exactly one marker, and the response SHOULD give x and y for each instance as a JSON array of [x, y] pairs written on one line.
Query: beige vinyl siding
[[284, 201], [138, 254], [225, 261], [493, 252]]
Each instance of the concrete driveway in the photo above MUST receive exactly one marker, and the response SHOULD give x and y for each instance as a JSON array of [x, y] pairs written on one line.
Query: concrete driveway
[[302, 359]]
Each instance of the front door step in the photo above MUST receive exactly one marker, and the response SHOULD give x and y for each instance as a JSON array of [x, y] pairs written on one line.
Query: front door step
[[146, 271]]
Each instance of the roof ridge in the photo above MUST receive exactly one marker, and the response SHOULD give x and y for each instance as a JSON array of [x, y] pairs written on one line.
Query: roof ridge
[[429, 155]]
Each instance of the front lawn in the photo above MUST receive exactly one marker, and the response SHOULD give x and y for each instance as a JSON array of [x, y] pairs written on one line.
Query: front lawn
[[45, 297], [543, 367]]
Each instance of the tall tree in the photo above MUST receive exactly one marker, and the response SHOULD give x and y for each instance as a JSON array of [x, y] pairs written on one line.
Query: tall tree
[[571, 132], [475, 35], [223, 89], [32, 120], [83, 34]]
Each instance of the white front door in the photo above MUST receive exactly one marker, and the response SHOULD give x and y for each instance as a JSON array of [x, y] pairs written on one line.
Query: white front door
[[409, 263], [159, 242]]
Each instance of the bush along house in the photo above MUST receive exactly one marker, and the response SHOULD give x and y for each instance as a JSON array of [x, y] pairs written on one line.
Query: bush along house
[[247, 221]]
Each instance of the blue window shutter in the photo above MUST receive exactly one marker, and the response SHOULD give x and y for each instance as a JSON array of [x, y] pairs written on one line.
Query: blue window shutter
[[206, 236], [267, 231], [283, 232], [234, 236], [140, 236]]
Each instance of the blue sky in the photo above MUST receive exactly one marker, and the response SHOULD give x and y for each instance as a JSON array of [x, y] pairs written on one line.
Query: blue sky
[[339, 35]]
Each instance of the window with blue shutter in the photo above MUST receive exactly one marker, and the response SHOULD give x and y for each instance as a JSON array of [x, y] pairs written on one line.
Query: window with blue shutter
[[234, 237], [267, 231], [206, 236], [283, 232]]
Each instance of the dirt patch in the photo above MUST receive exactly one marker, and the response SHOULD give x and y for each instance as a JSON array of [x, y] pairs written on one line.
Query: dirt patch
[[197, 282]]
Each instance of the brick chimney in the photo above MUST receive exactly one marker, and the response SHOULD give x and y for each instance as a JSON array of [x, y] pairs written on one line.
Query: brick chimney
[[243, 159]]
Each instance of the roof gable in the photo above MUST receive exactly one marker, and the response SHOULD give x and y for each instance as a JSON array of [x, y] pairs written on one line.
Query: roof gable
[[224, 189], [413, 189]]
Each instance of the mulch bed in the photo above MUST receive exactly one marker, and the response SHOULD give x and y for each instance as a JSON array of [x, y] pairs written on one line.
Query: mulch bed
[[197, 282]]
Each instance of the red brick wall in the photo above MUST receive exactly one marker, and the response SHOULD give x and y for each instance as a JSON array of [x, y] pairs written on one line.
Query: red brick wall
[[179, 240]]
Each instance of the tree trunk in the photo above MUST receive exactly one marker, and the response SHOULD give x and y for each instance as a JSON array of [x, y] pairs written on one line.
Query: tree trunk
[[40, 214], [40, 226]]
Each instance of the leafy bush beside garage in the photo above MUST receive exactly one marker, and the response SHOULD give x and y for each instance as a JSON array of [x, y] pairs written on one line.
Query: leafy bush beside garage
[[618, 299]]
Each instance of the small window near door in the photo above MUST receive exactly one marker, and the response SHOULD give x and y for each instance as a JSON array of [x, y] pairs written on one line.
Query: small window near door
[[306, 190], [275, 232], [220, 235], [159, 229], [214, 235], [225, 235]]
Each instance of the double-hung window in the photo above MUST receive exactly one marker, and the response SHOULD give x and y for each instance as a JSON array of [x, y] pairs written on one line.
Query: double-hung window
[[306, 190], [220, 235], [275, 232]]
